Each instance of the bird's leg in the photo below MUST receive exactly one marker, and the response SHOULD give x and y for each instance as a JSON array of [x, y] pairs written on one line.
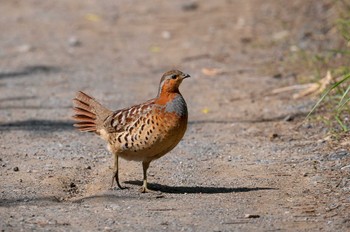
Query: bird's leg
[[145, 165], [116, 172]]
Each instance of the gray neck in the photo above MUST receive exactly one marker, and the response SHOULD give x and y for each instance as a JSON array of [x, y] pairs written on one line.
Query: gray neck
[[177, 105]]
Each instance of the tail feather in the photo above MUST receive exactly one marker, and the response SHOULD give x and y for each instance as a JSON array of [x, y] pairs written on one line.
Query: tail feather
[[83, 118], [80, 105], [89, 114], [84, 126], [84, 112]]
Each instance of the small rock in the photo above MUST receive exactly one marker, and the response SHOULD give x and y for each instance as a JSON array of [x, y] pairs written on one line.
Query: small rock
[[277, 76], [166, 35], [74, 41], [15, 169], [88, 167], [307, 126], [24, 48], [190, 6], [251, 216], [346, 168], [246, 40], [114, 207], [48, 168], [288, 118], [273, 136]]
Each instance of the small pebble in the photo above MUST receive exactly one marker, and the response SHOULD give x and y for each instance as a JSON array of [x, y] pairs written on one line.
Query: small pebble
[[273, 136], [251, 216], [288, 118], [246, 40], [277, 76], [166, 35], [24, 48], [347, 167], [190, 6], [74, 41], [16, 169]]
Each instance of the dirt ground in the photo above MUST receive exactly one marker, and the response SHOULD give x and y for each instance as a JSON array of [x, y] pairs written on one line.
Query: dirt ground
[[246, 162]]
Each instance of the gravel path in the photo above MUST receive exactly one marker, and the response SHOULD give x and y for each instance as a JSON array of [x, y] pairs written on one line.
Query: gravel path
[[244, 164]]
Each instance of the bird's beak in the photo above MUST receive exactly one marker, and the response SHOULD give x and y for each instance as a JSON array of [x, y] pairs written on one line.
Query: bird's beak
[[185, 76]]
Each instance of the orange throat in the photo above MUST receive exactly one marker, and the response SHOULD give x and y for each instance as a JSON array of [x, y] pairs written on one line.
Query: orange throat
[[166, 97]]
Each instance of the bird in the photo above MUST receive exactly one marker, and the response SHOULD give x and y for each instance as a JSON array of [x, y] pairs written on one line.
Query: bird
[[142, 132]]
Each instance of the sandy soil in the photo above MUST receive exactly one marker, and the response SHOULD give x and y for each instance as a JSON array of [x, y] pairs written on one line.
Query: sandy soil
[[245, 163]]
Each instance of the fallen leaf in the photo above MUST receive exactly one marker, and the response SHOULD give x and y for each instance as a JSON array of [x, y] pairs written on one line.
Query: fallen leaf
[[205, 110], [92, 17], [154, 49], [307, 89], [211, 71]]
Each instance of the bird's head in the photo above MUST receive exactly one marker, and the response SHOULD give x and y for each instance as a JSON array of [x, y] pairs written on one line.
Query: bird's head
[[171, 81]]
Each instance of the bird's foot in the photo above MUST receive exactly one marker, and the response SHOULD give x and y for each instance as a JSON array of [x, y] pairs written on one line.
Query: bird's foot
[[144, 189]]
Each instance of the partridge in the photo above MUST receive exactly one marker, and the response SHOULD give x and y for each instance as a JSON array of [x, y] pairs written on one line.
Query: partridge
[[143, 132]]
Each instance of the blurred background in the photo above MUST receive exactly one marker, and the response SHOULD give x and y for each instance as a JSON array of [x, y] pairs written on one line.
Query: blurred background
[[49, 50], [258, 68]]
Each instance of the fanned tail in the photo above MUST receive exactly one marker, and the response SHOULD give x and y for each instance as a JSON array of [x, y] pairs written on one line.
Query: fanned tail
[[89, 113]]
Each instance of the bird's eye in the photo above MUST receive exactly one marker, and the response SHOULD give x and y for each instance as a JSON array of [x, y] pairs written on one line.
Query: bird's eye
[[173, 76]]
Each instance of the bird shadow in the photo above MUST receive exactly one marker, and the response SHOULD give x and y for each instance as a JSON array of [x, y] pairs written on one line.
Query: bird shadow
[[197, 189]]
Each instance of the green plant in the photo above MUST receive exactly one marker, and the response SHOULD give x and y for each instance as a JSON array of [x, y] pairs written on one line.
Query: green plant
[[342, 102], [337, 95]]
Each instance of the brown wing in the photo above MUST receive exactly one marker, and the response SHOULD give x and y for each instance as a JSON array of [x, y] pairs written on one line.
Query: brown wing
[[126, 119]]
